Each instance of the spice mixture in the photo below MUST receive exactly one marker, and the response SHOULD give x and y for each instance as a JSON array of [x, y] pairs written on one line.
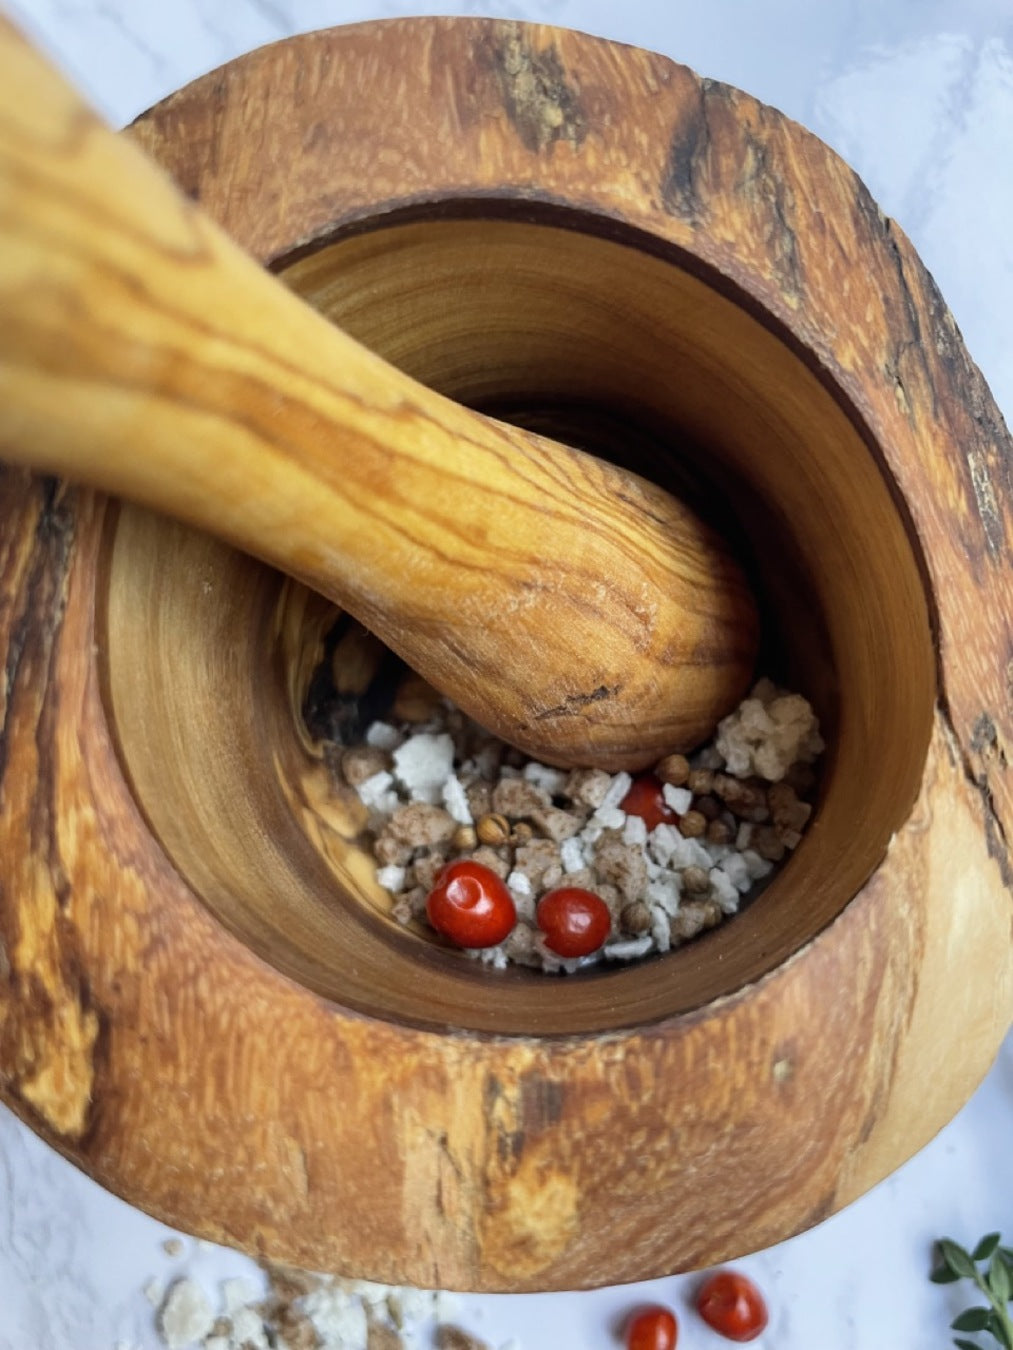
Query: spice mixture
[[670, 853], [305, 1311]]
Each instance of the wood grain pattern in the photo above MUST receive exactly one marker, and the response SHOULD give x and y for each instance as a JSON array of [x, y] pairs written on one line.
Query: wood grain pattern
[[143, 353], [384, 1109]]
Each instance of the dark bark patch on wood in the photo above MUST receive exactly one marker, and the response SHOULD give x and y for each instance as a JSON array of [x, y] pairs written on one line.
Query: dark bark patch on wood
[[766, 189], [681, 191], [542, 1101], [987, 747], [542, 103]]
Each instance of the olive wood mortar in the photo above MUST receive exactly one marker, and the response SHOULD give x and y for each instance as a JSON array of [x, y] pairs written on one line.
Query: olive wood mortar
[[205, 1004]]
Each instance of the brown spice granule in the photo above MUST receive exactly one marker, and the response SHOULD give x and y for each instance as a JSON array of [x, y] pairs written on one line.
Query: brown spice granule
[[555, 823], [693, 917], [380, 1336], [636, 918], [696, 880], [623, 865], [673, 769], [420, 824], [515, 798], [719, 832], [692, 825], [360, 762], [453, 1338], [587, 787]]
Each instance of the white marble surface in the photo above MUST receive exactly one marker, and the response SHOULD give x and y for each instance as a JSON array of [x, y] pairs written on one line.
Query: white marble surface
[[918, 95]]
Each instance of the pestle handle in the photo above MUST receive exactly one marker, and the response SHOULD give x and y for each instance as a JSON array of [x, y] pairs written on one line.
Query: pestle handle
[[576, 610]]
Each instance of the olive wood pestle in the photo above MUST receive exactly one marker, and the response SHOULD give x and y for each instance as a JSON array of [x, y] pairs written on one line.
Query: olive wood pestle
[[574, 609]]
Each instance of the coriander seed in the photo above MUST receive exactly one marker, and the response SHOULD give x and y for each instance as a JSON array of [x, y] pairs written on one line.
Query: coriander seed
[[673, 769], [493, 829], [692, 825]]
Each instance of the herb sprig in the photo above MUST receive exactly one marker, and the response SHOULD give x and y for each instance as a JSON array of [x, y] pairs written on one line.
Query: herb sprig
[[990, 1267]]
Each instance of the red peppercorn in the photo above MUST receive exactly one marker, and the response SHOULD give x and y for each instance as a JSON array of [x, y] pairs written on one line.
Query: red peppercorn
[[732, 1305], [653, 1328], [470, 905], [575, 922], [646, 799]]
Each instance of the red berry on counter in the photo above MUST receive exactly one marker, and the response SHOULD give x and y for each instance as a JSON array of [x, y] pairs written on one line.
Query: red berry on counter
[[646, 799], [575, 922], [653, 1328], [470, 905], [732, 1305]]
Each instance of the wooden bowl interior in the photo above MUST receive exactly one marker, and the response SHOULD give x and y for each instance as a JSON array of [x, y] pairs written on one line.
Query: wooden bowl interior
[[617, 346]]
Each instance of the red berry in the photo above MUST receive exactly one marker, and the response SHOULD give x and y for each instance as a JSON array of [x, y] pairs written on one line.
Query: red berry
[[575, 922], [653, 1328], [732, 1305], [470, 905], [646, 799]]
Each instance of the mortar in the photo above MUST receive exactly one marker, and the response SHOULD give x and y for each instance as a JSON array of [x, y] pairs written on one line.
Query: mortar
[[205, 1003]]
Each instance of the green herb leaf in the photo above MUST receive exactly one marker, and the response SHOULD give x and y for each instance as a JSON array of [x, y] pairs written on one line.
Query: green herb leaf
[[961, 1344], [999, 1329], [975, 1319], [1006, 1255], [986, 1246], [999, 1280], [943, 1275], [958, 1260]]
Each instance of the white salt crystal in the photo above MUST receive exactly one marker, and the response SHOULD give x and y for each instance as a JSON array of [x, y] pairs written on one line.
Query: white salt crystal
[[663, 841], [725, 891], [610, 817], [218, 1343], [248, 1330], [664, 891], [549, 779], [628, 949], [737, 872], [660, 929], [391, 877], [571, 854], [635, 832], [186, 1315], [756, 866], [154, 1292], [791, 838], [590, 834], [717, 852], [617, 790], [338, 1319], [377, 792], [689, 853], [455, 799], [519, 882], [237, 1293], [410, 1305], [383, 736], [423, 764], [679, 799], [744, 835], [489, 956]]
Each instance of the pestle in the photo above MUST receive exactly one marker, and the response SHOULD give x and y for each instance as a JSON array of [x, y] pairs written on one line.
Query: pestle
[[580, 612]]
